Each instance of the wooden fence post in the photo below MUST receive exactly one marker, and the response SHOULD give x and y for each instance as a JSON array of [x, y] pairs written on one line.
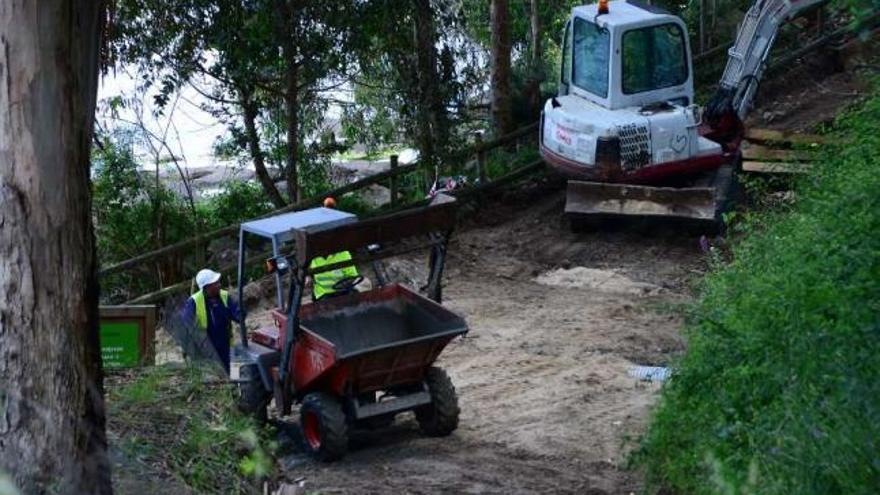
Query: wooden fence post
[[394, 186]]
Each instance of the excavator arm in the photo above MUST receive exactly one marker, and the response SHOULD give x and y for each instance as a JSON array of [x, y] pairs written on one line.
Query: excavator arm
[[748, 56]]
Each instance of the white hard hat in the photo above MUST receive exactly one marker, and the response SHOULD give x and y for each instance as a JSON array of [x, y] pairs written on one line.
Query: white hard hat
[[206, 277]]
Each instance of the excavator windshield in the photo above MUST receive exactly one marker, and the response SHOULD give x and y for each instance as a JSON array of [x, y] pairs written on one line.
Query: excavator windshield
[[654, 58], [591, 50]]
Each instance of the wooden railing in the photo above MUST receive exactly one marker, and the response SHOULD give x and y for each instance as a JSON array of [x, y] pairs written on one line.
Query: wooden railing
[[391, 177]]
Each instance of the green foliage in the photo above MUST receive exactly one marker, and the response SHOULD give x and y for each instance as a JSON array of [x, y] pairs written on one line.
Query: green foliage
[[501, 161], [237, 201], [131, 211], [860, 9], [263, 63], [369, 121], [779, 392], [404, 89], [552, 15], [185, 419]]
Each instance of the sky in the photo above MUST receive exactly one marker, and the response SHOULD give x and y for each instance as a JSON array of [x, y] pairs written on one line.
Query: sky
[[190, 132]]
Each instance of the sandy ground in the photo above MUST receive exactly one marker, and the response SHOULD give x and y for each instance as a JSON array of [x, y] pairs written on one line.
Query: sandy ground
[[557, 320]]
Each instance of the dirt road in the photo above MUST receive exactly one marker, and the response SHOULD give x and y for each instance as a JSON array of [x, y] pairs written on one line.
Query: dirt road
[[557, 319]]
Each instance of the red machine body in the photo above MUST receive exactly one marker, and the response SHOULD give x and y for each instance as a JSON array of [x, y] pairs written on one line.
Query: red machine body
[[363, 357]]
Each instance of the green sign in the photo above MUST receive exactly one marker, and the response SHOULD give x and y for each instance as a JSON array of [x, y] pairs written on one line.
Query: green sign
[[120, 344]]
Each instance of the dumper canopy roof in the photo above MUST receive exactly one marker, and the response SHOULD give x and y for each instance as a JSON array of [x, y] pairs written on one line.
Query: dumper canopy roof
[[318, 232], [280, 228]]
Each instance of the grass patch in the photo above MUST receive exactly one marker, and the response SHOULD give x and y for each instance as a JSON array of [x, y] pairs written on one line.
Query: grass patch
[[501, 161], [779, 392], [183, 421]]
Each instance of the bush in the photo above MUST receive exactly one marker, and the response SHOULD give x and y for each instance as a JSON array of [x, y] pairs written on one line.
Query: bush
[[779, 391], [132, 214], [237, 202]]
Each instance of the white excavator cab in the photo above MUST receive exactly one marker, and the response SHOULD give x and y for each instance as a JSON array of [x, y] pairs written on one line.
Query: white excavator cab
[[624, 126], [625, 103], [633, 55]]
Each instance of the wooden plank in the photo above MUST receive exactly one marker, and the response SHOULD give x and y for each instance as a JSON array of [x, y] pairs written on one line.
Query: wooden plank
[[185, 285], [756, 167], [506, 139], [756, 152], [765, 136], [438, 217], [510, 177], [233, 229], [306, 203]]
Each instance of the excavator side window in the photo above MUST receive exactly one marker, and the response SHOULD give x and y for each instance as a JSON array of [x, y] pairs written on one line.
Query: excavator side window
[[590, 56], [654, 58], [565, 77]]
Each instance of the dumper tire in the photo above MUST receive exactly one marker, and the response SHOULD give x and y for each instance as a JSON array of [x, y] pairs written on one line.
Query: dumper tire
[[253, 398], [324, 426], [440, 417]]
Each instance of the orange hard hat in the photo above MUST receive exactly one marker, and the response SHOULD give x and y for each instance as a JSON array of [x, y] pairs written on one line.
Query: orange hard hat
[[329, 202]]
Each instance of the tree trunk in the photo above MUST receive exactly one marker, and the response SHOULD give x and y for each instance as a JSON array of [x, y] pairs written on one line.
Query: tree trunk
[[426, 73], [292, 109], [536, 75], [501, 98], [250, 125], [286, 30], [52, 436], [535, 32]]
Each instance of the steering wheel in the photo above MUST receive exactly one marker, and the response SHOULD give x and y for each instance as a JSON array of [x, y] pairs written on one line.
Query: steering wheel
[[347, 284]]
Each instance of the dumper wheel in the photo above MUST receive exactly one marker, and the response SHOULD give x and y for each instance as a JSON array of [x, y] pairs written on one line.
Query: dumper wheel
[[324, 426], [440, 417], [253, 399]]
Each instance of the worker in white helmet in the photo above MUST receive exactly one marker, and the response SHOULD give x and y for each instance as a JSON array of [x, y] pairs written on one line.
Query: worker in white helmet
[[212, 311]]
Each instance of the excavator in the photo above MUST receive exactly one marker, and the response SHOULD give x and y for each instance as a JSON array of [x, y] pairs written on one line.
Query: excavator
[[624, 127]]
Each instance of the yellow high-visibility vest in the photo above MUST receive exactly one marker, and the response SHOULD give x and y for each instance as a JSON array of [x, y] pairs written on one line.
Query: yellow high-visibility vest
[[323, 282], [202, 307]]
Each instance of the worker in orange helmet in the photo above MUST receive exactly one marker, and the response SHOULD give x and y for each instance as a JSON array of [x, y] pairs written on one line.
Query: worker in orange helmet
[[336, 282]]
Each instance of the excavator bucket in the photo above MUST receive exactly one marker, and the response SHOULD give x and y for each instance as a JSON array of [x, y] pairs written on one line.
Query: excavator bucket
[[603, 201]]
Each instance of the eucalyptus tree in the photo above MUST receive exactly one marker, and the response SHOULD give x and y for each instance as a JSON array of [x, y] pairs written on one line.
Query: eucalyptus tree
[[258, 62], [52, 425], [413, 68], [501, 97], [525, 32]]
